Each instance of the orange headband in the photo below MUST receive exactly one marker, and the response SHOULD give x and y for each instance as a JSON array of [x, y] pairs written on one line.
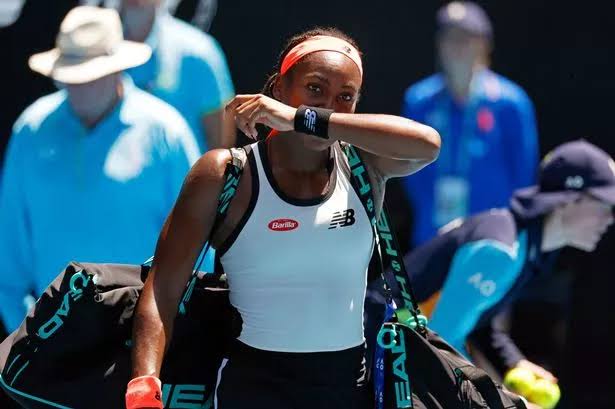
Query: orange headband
[[321, 43]]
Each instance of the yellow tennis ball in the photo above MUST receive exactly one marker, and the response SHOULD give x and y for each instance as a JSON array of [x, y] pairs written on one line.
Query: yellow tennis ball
[[520, 380], [545, 394]]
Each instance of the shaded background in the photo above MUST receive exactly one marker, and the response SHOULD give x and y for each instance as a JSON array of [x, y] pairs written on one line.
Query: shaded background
[[561, 53]]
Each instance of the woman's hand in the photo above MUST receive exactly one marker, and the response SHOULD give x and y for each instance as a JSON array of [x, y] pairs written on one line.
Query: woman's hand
[[250, 110]]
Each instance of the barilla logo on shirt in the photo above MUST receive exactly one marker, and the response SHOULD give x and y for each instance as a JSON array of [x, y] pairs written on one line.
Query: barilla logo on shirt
[[283, 225]]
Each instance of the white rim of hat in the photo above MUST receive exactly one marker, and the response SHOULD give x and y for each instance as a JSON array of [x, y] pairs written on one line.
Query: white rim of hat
[[89, 46]]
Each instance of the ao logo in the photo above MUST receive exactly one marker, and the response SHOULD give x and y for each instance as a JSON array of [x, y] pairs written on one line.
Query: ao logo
[[574, 182], [486, 287]]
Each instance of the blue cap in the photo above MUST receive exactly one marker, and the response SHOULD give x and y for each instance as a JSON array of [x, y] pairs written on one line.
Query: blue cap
[[465, 15], [571, 169]]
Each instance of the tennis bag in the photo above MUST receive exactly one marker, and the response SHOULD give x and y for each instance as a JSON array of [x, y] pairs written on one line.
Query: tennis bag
[[413, 367], [418, 369], [73, 349]]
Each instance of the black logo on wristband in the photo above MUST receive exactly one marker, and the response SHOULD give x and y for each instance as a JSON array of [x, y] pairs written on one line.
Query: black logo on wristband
[[310, 119]]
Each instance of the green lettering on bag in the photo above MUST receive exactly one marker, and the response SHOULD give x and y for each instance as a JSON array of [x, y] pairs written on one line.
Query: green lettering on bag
[[400, 345], [403, 395], [183, 396], [357, 169], [51, 326], [391, 333], [358, 173], [75, 293], [397, 344], [64, 307], [402, 385], [404, 291], [84, 280]]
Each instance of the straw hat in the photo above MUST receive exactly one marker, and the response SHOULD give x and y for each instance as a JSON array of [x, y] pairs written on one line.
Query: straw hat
[[89, 46]]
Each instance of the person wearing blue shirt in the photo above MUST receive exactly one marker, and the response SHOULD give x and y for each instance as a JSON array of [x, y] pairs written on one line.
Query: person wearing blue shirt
[[91, 171], [489, 141], [475, 269], [187, 69]]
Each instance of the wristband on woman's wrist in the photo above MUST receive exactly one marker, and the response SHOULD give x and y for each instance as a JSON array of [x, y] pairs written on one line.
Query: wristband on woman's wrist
[[144, 392], [313, 121]]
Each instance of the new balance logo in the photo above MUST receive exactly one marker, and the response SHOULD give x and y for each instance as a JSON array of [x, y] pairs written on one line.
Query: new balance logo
[[310, 120], [342, 219]]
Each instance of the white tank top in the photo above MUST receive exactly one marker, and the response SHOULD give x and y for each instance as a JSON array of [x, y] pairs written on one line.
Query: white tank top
[[297, 269]]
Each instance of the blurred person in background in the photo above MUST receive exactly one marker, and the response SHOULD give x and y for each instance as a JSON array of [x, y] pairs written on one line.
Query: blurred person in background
[[489, 142], [469, 275], [187, 69], [9, 11], [200, 13], [92, 170]]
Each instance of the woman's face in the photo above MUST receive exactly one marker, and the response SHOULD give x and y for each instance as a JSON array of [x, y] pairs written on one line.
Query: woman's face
[[324, 79], [585, 221]]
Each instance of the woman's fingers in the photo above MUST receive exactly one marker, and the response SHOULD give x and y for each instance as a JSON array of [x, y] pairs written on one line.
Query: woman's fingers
[[239, 100], [257, 115], [248, 110], [237, 106], [244, 114], [245, 109]]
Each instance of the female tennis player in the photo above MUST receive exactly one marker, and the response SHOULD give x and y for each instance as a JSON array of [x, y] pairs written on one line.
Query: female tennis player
[[296, 242]]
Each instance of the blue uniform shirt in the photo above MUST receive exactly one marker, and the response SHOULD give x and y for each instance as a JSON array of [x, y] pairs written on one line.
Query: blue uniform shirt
[[489, 149], [187, 69], [478, 269], [97, 195]]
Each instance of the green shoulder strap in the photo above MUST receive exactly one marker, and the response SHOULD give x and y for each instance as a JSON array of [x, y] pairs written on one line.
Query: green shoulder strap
[[386, 244]]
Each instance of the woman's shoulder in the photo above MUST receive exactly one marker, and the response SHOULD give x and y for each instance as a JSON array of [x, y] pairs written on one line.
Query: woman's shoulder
[[212, 164], [210, 168], [207, 174]]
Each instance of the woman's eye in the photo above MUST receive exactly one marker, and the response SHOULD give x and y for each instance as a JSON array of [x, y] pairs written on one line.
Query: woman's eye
[[314, 88], [347, 97]]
